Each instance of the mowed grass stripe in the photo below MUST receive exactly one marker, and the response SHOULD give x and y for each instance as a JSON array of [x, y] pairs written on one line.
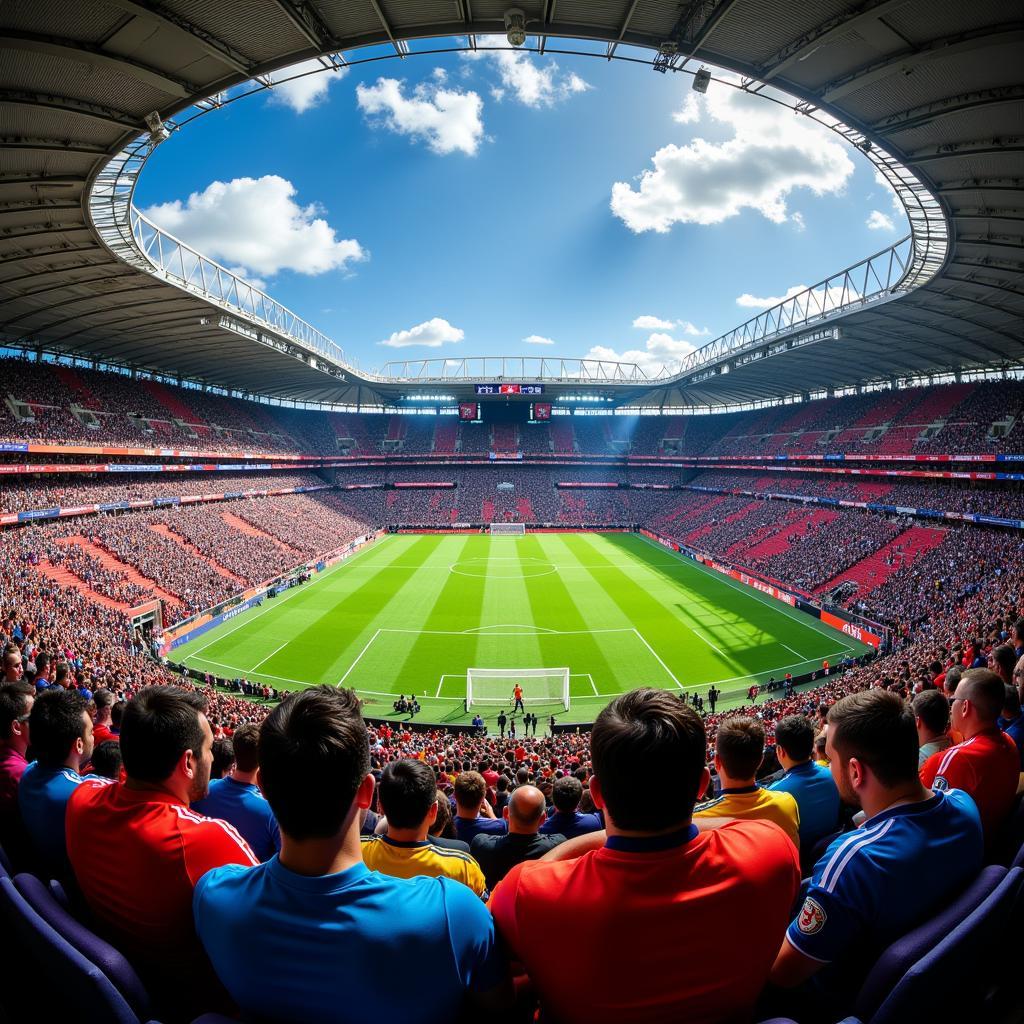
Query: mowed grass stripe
[[554, 603], [506, 602]]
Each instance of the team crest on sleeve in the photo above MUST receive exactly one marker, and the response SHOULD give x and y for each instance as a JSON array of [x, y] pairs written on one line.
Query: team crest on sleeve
[[940, 785], [812, 917]]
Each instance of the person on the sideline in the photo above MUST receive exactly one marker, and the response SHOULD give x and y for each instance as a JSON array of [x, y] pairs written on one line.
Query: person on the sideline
[[517, 696], [621, 932]]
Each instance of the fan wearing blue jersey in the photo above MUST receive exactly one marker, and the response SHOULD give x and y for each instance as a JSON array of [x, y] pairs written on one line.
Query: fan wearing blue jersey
[[915, 850]]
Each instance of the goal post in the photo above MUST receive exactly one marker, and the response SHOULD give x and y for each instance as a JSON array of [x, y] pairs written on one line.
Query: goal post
[[508, 529], [494, 687]]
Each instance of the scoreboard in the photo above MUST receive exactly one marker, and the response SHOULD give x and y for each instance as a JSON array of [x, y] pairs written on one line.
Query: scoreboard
[[510, 389]]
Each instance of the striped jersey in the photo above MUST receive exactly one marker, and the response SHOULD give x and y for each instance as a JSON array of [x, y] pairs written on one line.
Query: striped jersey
[[754, 803], [408, 860]]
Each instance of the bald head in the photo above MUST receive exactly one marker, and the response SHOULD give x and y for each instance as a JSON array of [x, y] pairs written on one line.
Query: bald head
[[525, 810]]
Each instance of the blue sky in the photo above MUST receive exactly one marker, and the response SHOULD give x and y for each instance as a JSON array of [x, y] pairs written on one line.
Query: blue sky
[[452, 206]]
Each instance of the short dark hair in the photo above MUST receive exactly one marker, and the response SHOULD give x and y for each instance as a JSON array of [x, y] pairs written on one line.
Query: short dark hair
[[314, 753], [984, 689], [12, 704], [567, 794], [407, 789], [648, 752], [106, 759], [878, 728], [739, 744], [117, 713], [223, 757], [103, 698], [246, 742], [795, 734], [160, 723], [1005, 657], [56, 721], [932, 708], [470, 789]]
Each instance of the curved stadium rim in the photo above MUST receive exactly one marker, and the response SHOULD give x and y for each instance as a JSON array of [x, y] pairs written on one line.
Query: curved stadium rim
[[908, 264]]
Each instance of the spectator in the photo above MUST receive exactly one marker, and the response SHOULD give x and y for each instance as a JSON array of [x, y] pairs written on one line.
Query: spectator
[[473, 814], [567, 820], [138, 851], [101, 726], [442, 831], [931, 716], [387, 940], [1001, 660], [106, 760], [812, 786], [16, 699], [237, 799], [914, 851], [61, 741], [408, 798], [986, 764], [739, 751], [659, 894], [1011, 720], [524, 813], [223, 759], [13, 670]]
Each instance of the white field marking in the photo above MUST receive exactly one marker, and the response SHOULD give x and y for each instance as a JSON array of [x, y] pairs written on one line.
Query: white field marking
[[457, 675], [658, 658], [475, 631], [278, 602], [510, 625], [791, 651], [270, 655], [282, 679], [701, 636], [358, 656]]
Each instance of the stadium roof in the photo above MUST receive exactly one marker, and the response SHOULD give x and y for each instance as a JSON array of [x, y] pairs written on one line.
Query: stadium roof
[[929, 90]]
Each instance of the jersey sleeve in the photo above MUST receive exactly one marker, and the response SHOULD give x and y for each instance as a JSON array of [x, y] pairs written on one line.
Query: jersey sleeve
[[212, 844], [478, 955], [945, 770]]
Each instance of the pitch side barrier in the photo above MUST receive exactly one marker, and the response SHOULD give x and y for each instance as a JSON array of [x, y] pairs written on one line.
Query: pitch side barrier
[[840, 619], [220, 613], [38, 468], [532, 527], [36, 514]]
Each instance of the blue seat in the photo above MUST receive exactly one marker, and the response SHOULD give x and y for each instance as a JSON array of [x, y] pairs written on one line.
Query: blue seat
[[908, 950], [955, 979], [74, 986], [109, 960]]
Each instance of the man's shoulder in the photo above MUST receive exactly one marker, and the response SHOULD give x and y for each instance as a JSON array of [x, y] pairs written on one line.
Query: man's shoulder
[[486, 841]]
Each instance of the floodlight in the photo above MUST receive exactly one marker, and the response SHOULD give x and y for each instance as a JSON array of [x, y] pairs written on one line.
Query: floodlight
[[701, 80], [515, 26], [157, 132]]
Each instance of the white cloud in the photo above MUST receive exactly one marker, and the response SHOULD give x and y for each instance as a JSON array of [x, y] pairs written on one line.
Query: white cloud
[[447, 120], [879, 221], [822, 298], [753, 302], [798, 222], [772, 152], [256, 226], [431, 334], [537, 339], [653, 323], [897, 206], [531, 83], [660, 351], [692, 329], [304, 93]]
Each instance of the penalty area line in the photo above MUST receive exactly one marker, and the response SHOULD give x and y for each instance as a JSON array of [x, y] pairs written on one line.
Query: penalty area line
[[657, 657], [348, 671]]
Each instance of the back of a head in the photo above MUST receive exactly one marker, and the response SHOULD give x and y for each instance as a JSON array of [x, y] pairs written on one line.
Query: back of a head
[[55, 722], [160, 723], [314, 753], [1011, 702], [648, 751], [953, 676], [246, 741], [795, 735], [984, 689], [1004, 657], [933, 710], [13, 700], [223, 757], [470, 790], [106, 760], [566, 794], [739, 745], [407, 790], [526, 808], [878, 728], [103, 699]]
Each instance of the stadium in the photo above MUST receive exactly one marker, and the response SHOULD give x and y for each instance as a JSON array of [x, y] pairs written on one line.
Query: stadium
[[670, 683]]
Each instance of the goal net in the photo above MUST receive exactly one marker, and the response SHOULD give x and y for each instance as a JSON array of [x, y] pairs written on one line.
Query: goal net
[[495, 687], [508, 529]]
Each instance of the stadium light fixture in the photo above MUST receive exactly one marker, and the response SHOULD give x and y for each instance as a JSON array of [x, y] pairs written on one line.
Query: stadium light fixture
[[515, 26], [701, 80], [157, 131]]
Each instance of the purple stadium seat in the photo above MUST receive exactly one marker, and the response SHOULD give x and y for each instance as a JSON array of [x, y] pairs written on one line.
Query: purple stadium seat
[[114, 966], [954, 980], [1010, 841], [908, 950], [79, 990], [214, 1018], [5, 863]]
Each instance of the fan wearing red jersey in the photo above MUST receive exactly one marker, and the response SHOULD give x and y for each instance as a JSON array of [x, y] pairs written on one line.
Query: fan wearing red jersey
[[138, 851], [986, 765], [658, 894]]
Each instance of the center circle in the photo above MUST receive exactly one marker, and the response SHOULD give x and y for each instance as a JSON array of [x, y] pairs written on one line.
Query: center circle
[[502, 568]]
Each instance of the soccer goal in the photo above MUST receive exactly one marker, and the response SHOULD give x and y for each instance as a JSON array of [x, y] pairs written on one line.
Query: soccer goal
[[508, 529], [494, 687]]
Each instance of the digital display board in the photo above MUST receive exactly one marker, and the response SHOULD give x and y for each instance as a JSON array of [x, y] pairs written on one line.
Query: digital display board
[[510, 389], [469, 411], [540, 411]]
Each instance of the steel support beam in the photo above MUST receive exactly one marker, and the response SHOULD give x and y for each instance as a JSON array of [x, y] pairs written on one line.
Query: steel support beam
[[63, 105]]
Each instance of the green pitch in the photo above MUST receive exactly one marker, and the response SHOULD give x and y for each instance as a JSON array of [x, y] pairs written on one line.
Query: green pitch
[[411, 613]]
